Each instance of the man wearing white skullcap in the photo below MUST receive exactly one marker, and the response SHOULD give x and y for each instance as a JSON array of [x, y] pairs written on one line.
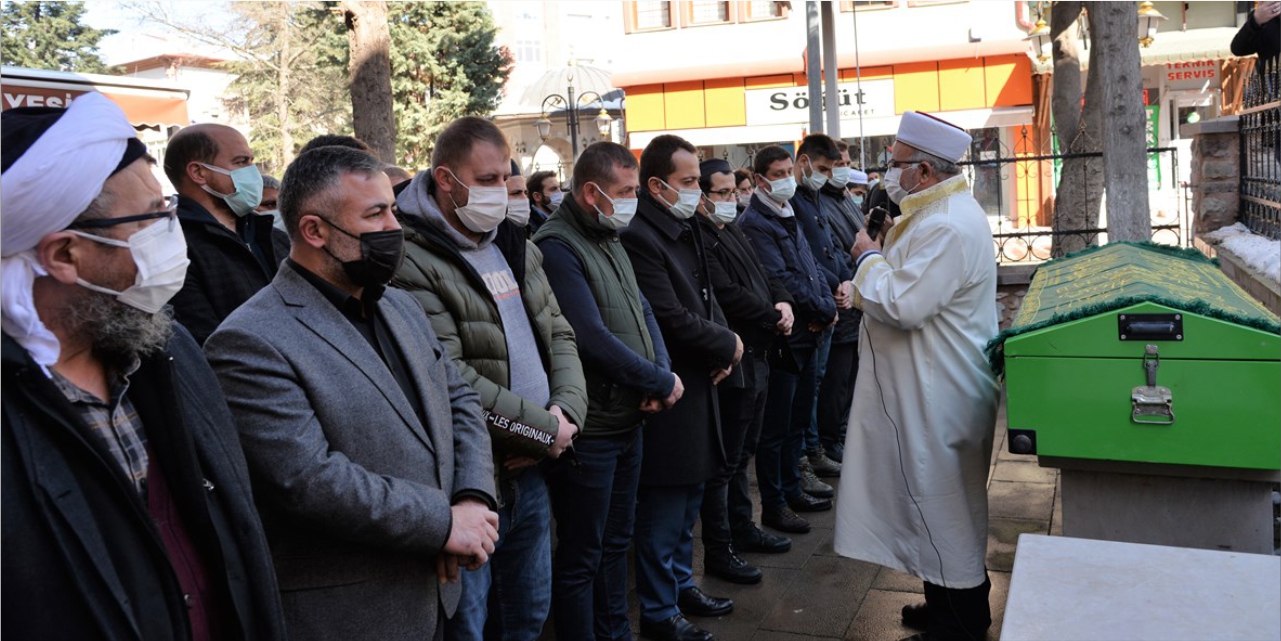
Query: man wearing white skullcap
[[127, 510], [914, 494]]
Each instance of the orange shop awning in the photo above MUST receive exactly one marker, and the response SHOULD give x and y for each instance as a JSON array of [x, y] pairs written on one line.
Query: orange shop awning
[[145, 103]]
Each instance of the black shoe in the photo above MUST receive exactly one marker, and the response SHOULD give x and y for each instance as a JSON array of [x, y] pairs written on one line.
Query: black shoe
[[786, 520], [919, 636], [727, 565], [758, 540], [677, 628], [916, 616], [693, 602], [807, 503], [835, 451]]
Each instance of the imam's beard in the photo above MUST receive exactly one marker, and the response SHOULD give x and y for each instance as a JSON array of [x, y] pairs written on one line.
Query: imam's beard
[[117, 332]]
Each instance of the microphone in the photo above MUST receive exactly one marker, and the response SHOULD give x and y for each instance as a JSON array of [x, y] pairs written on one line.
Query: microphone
[[876, 221]]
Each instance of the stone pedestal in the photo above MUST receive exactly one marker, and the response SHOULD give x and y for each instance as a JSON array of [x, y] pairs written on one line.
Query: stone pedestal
[[1064, 588], [1216, 169], [1180, 506]]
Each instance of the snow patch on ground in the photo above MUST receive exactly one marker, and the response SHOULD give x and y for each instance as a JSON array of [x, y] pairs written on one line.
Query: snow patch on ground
[[1259, 252]]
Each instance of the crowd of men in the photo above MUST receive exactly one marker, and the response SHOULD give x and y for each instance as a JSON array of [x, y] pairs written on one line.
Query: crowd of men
[[353, 403]]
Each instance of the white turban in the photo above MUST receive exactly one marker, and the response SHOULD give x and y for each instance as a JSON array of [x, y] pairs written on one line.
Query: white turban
[[933, 136], [42, 192], [858, 177]]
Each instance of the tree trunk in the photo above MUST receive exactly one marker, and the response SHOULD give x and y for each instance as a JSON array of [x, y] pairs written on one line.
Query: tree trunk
[[285, 122], [1125, 160], [370, 72], [1077, 200]]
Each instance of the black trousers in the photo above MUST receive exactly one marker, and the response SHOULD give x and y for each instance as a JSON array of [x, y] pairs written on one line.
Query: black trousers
[[727, 501], [958, 614], [836, 392]]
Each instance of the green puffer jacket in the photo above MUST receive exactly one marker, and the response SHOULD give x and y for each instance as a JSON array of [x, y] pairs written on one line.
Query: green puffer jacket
[[468, 324]]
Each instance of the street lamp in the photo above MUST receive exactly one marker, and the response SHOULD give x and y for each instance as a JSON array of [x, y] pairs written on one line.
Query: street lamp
[[571, 105], [1039, 36], [1149, 18]]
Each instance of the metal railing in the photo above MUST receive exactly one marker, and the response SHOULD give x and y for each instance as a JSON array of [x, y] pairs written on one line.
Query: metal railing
[[1260, 127]]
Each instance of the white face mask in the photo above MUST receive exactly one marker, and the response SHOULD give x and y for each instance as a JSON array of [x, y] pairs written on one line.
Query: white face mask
[[892, 187], [624, 211], [744, 200], [518, 211], [841, 176], [555, 199], [725, 212], [160, 253], [783, 189], [486, 207], [686, 202], [815, 180]]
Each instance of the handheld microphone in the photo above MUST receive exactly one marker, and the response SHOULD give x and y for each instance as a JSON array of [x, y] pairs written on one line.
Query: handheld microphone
[[876, 221]]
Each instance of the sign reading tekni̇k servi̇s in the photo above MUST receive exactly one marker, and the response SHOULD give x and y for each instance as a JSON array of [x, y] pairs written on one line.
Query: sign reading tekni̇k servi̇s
[[787, 105]]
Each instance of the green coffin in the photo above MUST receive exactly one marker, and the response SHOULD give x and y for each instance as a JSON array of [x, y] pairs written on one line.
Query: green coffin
[[1074, 362]]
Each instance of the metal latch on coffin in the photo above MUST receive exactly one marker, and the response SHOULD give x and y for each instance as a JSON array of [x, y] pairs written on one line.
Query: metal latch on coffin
[[1151, 404]]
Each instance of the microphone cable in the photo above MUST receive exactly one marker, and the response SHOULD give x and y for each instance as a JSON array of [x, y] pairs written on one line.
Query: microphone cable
[[907, 486]]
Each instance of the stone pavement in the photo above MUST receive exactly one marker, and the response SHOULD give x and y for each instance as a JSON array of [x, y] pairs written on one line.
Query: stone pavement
[[810, 593]]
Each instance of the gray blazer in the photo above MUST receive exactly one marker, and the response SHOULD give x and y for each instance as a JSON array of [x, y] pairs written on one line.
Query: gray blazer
[[353, 488]]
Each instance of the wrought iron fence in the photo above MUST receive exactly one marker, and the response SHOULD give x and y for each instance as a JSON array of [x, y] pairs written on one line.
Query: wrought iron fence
[[1260, 127], [1022, 231]]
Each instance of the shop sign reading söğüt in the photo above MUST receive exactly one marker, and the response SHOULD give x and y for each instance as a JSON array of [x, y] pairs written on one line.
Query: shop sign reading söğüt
[[785, 105]]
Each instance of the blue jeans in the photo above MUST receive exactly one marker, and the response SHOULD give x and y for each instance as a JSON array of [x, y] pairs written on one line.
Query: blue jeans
[[781, 435], [509, 597], [595, 506], [821, 356], [665, 516]]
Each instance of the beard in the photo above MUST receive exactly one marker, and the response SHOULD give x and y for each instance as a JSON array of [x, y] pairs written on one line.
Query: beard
[[118, 333]]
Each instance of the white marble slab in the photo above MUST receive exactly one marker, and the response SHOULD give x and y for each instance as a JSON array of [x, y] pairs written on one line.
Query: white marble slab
[[1065, 589]]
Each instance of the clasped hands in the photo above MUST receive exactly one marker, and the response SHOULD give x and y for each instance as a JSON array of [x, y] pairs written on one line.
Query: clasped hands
[[472, 537]]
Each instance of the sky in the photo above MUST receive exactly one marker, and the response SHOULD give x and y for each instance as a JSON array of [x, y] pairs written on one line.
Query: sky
[[138, 38]]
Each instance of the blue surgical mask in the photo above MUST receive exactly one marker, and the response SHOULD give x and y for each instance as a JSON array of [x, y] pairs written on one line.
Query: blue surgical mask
[[248, 183], [858, 200]]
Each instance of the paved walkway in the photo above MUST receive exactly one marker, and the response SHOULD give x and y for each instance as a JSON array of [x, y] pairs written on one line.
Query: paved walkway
[[811, 593]]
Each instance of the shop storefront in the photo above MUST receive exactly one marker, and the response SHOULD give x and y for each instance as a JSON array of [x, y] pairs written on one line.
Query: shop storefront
[[991, 97]]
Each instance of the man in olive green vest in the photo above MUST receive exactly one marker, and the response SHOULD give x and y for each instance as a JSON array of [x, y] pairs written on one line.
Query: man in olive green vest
[[628, 375]]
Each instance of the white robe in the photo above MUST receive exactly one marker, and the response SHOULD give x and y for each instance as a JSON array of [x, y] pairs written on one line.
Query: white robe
[[929, 308]]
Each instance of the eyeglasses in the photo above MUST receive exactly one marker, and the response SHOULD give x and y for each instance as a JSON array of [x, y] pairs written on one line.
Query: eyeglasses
[[725, 193], [170, 211]]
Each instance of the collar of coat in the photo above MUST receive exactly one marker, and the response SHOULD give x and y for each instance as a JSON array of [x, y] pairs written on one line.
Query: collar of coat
[[919, 205], [653, 211]]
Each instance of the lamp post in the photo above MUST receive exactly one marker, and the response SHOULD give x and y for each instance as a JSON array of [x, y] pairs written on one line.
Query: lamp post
[[1039, 37], [571, 104], [1149, 18]]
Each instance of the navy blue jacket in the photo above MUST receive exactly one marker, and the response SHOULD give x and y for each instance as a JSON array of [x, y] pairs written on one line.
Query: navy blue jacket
[[785, 253], [818, 231]]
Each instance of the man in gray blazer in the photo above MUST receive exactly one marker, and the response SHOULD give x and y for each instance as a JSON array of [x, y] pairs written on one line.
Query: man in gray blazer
[[371, 466]]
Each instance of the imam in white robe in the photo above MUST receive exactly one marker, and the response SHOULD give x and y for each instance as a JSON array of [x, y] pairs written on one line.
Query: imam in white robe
[[929, 306]]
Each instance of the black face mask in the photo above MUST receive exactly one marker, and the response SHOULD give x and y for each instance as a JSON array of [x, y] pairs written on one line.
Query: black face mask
[[381, 253]]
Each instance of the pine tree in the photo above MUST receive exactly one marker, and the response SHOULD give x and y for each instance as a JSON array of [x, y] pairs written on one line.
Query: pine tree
[[50, 35], [444, 65], [291, 80], [290, 68]]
